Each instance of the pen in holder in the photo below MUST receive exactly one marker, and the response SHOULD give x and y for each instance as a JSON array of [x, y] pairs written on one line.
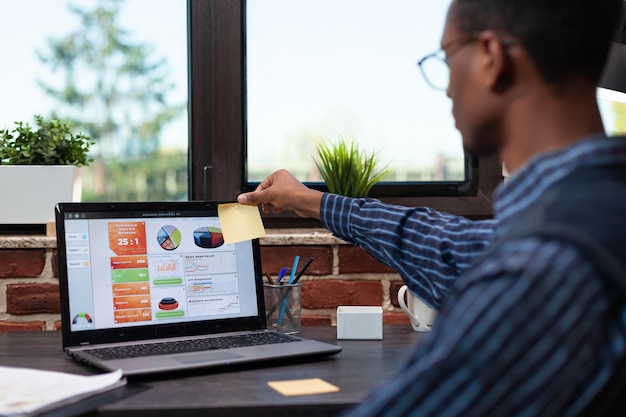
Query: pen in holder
[[283, 305]]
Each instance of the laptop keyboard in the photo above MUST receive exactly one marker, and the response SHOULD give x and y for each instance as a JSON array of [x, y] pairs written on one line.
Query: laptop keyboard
[[194, 345]]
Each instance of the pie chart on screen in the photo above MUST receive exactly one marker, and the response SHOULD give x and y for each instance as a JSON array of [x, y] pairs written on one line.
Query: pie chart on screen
[[208, 237], [169, 237]]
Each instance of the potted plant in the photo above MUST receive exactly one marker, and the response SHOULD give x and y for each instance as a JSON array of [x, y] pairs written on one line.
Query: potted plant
[[39, 168], [347, 169]]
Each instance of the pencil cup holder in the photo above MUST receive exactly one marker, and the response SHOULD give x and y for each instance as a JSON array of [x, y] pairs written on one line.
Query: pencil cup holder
[[283, 307]]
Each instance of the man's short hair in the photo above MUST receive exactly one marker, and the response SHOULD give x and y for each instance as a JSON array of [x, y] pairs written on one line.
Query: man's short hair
[[566, 39]]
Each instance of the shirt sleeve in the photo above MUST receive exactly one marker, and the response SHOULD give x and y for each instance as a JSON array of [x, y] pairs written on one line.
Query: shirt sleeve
[[529, 332], [429, 249]]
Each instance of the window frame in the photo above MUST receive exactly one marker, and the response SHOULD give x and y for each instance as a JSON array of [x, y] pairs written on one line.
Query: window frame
[[217, 120]]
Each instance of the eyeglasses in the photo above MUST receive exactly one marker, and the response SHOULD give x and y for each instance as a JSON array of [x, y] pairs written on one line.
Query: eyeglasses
[[435, 67]]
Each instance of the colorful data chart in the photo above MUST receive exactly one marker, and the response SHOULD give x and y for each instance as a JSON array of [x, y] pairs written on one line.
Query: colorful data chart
[[208, 237], [84, 316], [130, 284], [165, 266], [168, 303], [169, 237]]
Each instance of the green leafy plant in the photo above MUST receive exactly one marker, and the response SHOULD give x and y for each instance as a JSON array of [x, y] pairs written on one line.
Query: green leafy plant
[[52, 143], [347, 169]]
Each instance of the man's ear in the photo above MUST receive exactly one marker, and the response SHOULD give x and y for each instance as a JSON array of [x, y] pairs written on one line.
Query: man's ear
[[497, 67]]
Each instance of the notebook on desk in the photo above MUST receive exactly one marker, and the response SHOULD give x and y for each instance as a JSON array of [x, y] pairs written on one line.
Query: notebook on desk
[[158, 277]]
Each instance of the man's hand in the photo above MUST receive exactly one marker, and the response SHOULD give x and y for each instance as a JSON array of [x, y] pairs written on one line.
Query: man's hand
[[281, 190]]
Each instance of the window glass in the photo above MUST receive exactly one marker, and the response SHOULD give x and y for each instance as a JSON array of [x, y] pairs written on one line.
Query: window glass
[[324, 69], [116, 69], [612, 106]]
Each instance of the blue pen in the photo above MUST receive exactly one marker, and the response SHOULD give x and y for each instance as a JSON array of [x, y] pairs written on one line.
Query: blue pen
[[293, 268], [284, 307], [281, 274]]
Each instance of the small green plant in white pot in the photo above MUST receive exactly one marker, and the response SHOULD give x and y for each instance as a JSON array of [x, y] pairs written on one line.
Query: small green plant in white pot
[[50, 143], [39, 168], [347, 169]]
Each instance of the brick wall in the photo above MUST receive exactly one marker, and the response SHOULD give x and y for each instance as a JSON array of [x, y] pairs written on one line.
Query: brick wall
[[340, 274], [29, 296]]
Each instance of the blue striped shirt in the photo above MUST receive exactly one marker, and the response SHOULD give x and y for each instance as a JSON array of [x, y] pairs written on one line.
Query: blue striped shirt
[[527, 331]]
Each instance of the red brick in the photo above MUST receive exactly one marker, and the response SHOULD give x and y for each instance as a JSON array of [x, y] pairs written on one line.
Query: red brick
[[354, 260], [396, 318], [33, 298], [276, 257], [10, 326], [57, 325], [393, 292], [22, 263], [55, 263], [333, 293], [316, 321]]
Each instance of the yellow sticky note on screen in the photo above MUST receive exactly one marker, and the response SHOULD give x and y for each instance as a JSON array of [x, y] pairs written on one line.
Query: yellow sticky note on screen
[[240, 222], [303, 387]]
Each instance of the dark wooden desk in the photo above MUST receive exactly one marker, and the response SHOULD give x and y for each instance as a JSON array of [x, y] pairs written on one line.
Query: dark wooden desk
[[242, 391]]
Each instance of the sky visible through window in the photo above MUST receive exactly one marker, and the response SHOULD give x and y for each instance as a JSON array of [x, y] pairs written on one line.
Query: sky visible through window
[[26, 24], [321, 69], [317, 69]]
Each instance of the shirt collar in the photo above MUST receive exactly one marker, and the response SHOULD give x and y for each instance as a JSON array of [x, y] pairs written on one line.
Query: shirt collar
[[528, 183]]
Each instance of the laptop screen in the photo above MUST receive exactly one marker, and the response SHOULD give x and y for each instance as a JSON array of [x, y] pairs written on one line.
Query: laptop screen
[[132, 265]]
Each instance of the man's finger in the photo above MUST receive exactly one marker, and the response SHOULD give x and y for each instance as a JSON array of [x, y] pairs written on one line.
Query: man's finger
[[247, 198]]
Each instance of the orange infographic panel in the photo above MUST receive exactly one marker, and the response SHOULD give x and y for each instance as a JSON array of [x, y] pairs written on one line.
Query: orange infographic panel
[[128, 262], [130, 288], [134, 301], [129, 316], [128, 238]]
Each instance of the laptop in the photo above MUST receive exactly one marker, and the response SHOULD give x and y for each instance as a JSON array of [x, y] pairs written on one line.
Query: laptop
[[135, 277]]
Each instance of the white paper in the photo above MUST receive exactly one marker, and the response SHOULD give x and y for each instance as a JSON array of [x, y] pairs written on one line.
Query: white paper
[[24, 390]]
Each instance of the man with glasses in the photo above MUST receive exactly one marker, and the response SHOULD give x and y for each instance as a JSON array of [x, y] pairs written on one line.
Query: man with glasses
[[532, 304]]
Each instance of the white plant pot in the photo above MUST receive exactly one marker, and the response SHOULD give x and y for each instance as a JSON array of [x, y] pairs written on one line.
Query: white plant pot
[[30, 192]]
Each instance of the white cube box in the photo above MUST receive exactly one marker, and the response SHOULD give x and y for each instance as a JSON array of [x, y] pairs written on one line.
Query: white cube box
[[360, 322]]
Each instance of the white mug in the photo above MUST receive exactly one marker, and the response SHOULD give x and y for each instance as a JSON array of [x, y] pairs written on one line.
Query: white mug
[[422, 316]]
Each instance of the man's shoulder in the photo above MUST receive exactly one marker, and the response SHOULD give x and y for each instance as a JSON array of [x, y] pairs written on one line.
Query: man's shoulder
[[590, 201], [588, 190], [585, 209]]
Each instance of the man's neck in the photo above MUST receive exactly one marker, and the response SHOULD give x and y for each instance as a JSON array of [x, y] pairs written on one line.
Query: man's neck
[[544, 122]]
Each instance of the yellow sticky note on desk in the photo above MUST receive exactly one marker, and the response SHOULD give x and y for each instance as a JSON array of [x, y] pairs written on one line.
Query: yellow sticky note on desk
[[240, 222], [303, 387]]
